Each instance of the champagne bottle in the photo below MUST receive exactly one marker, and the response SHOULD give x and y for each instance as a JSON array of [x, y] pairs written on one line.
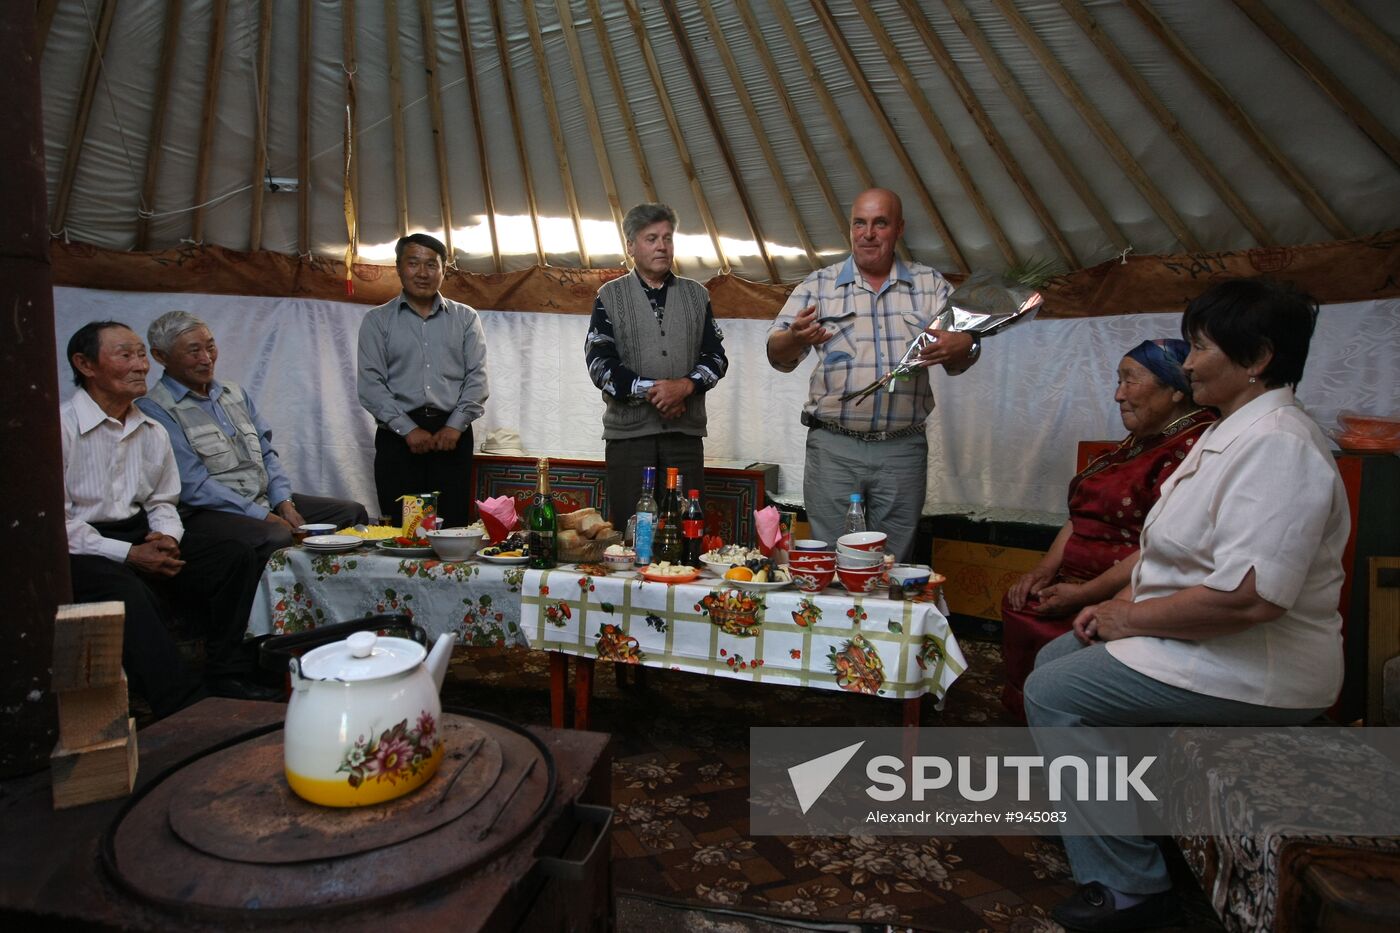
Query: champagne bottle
[[693, 531], [542, 521], [668, 532], [645, 531]]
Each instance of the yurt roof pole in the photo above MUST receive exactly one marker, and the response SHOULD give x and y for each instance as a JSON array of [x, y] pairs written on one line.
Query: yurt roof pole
[[43, 19], [1090, 115], [939, 52], [352, 130], [503, 51], [1023, 105], [74, 151], [391, 39], [213, 72], [155, 139], [556, 132], [304, 133], [760, 134], [1169, 123], [1384, 47], [430, 65], [682, 151], [590, 113], [760, 45], [1323, 77], [935, 128], [620, 99], [488, 193], [260, 122], [1266, 150], [721, 140]]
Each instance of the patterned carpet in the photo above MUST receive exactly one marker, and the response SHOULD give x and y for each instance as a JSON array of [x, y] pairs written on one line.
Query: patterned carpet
[[680, 787]]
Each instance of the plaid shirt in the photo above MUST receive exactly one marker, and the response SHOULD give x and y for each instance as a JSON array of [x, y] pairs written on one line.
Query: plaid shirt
[[870, 332]]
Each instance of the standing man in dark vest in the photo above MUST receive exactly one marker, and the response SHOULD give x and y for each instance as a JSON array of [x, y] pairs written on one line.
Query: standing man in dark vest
[[423, 377], [654, 350]]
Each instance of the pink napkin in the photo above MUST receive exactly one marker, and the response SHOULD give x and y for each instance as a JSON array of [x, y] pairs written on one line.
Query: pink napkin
[[768, 521], [499, 516]]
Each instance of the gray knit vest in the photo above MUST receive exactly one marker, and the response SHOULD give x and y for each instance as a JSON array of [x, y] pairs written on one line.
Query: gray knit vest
[[654, 351], [236, 461]]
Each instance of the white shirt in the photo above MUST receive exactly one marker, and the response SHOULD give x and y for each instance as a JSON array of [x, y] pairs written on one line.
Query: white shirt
[[1260, 490], [111, 470]]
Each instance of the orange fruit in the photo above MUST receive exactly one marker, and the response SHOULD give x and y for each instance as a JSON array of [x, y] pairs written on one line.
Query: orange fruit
[[738, 573]]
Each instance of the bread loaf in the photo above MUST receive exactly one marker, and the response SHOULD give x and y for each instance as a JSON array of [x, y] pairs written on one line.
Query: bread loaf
[[573, 521]]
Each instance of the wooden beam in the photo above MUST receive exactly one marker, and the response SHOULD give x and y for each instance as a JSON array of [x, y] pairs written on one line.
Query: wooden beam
[[974, 108], [430, 65], [156, 137], [304, 131], [1272, 156], [556, 131], [600, 27], [590, 112], [43, 20], [963, 17], [1323, 77], [503, 50], [721, 138], [213, 72], [350, 64], [391, 38], [260, 122], [1198, 159], [760, 132], [935, 128], [74, 151], [682, 151], [1384, 47], [488, 194]]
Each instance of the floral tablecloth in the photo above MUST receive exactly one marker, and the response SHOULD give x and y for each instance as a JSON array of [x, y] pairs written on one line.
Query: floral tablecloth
[[299, 590], [828, 640]]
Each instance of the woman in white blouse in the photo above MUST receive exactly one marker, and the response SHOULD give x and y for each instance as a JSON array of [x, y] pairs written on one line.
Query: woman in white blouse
[[1231, 615]]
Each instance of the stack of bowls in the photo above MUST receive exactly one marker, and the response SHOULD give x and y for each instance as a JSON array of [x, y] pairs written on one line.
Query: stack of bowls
[[812, 571], [860, 560]]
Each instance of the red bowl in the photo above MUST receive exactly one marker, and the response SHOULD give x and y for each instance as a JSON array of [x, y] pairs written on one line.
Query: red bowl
[[812, 581], [863, 541], [860, 581], [811, 557]]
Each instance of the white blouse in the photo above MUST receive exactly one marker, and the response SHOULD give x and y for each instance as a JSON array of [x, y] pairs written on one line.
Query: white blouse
[[1260, 490]]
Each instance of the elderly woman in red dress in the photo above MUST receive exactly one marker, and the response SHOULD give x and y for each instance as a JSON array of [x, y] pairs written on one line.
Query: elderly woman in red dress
[[1093, 555]]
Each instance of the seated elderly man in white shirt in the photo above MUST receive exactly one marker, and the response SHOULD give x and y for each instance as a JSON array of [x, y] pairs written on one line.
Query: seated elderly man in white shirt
[[125, 538]]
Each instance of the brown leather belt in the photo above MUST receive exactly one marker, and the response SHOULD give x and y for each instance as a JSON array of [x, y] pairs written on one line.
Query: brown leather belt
[[818, 424]]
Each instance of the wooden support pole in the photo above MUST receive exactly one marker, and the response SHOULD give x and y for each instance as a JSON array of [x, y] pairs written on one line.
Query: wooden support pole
[[430, 64], [304, 131], [43, 19], [721, 139], [1198, 159], [213, 72], [624, 109], [1272, 156], [260, 122], [503, 51], [634, 14], [590, 111], [760, 132], [974, 108], [1323, 77], [556, 131], [74, 151], [155, 139], [1384, 47], [488, 195], [350, 64], [391, 37], [935, 128], [963, 17]]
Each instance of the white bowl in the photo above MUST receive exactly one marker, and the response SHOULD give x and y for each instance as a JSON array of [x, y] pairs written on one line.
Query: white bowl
[[456, 543], [859, 559], [910, 574]]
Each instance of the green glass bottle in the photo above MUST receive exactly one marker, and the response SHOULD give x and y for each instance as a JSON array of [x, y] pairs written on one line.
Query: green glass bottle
[[542, 522]]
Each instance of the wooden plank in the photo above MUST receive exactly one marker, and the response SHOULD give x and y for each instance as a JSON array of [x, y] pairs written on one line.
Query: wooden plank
[[304, 130], [1198, 159], [1323, 77], [156, 137], [87, 645], [104, 771], [760, 132], [349, 64], [556, 131], [707, 106], [503, 51], [43, 20], [263, 69], [430, 64], [94, 715], [963, 17], [73, 153], [1272, 156], [600, 29], [1384, 47], [488, 194], [391, 39], [1383, 633], [213, 72]]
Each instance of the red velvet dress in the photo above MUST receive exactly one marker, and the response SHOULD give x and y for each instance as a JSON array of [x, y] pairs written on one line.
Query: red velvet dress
[[1108, 502]]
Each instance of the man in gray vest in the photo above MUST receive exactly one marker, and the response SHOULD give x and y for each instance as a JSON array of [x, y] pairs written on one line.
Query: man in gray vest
[[232, 484], [654, 350]]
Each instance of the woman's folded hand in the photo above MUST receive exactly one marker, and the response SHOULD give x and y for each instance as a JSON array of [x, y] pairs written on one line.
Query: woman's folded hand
[[1026, 585]]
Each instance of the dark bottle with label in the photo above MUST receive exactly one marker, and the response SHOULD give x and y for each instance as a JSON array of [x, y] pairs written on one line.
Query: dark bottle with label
[[542, 521], [668, 533], [693, 532]]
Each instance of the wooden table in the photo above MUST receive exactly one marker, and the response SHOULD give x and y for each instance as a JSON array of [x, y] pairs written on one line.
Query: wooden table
[[50, 873]]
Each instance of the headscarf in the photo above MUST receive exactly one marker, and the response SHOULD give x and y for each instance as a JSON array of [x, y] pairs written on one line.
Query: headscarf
[[1163, 358]]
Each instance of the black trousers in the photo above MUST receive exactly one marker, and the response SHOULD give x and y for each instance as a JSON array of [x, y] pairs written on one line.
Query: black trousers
[[398, 471], [264, 537], [214, 590], [626, 458]]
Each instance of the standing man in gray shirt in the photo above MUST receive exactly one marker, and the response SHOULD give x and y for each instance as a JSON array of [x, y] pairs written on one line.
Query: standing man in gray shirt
[[422, 375]]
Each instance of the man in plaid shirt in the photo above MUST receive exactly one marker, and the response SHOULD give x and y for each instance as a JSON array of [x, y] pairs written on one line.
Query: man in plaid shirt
[[860, 315]]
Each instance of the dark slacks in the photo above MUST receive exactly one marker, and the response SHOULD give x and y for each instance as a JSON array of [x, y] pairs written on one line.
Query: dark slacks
[[400, 472], [263, 536], [626, 458]]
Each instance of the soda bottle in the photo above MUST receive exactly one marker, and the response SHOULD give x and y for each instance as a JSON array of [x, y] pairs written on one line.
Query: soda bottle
[[646, 517], [693, 531], [855, 515]]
